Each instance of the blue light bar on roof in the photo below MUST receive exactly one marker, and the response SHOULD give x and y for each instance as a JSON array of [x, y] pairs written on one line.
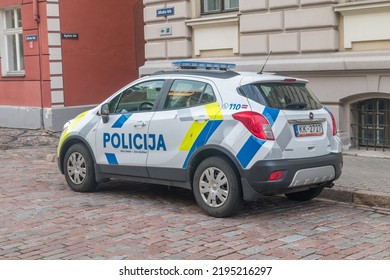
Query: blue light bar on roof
[[203, 65]]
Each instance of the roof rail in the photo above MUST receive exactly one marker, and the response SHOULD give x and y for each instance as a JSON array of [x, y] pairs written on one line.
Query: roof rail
[[203, 65]]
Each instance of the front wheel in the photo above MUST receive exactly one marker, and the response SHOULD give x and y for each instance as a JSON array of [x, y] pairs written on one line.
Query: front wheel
[[217, 188], [79, 169], [305, 195]]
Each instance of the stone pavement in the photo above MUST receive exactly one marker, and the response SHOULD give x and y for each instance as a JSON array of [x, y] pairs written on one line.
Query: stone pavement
[[11, 138], [365, 179], [42, 218]]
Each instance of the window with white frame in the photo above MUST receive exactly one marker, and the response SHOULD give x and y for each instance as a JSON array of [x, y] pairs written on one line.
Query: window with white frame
[[219, 6], [12, 49]]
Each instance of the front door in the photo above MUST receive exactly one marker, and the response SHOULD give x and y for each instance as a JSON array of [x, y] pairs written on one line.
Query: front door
[[123, 143]]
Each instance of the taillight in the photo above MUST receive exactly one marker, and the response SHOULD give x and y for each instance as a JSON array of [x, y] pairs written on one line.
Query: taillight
[[256, 123], [334, 127]]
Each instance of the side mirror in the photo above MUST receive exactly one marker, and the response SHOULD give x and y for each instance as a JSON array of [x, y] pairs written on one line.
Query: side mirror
[[105, 112]]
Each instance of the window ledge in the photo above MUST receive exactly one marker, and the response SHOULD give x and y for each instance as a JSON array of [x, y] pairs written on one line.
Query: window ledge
[[361, 6], [20, 74], [231, 18]]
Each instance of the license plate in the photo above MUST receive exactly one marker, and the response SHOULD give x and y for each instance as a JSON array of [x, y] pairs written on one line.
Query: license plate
[[304, 130]]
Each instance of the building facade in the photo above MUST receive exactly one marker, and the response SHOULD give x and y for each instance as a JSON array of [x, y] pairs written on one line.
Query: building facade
[[342, 47], [58, 58]]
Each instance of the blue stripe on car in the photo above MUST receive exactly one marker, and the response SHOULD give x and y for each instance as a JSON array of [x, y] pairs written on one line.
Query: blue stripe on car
[[121, 121], [111, 158], [202, 139], [271, 115], [249, 150]]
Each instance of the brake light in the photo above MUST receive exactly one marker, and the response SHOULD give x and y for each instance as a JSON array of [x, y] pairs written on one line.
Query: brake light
[[289, 80], [275, 176], [334, 127], [256, 123]]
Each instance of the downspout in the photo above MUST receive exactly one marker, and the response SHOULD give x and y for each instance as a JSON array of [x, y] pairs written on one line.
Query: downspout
[[36, 11], [37, 19]]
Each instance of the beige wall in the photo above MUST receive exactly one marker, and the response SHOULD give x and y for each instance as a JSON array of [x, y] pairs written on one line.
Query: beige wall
[[342, 47]]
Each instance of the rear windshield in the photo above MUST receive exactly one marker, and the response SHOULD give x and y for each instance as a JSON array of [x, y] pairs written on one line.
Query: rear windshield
[[291, 96]]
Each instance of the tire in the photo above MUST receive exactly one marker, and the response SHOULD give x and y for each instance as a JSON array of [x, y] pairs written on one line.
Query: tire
[[79, 169], [217, 188], [305, 195]]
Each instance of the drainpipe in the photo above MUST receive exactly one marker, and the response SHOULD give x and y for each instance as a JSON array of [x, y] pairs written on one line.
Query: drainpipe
[[37, 19], [36, 11]]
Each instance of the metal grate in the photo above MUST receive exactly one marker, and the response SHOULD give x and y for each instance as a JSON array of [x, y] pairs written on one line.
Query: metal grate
[[373, 127]]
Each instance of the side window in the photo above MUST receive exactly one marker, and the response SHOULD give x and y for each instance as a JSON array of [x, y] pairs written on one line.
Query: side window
[[252, 92], [186, 93], [140, 97]]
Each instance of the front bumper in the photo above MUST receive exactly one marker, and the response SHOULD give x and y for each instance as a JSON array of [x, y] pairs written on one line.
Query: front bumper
[[297, 174]]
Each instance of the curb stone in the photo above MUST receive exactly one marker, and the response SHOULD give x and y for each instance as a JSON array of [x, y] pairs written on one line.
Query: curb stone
[[359, 197]]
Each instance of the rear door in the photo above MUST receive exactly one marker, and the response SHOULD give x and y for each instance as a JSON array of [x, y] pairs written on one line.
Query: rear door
[[310, 133], [186, 121]]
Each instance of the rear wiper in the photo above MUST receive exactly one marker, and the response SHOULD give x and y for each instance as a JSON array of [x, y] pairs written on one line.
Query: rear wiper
[[296, 106]]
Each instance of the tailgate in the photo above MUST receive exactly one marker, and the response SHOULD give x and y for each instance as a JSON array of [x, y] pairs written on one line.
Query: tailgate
[[309, 131]]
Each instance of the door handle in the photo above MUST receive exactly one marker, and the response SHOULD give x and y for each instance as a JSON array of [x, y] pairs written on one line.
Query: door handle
[[201, 118], [140, 124]]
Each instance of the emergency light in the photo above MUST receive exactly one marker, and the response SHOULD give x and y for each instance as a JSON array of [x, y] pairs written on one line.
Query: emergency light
[[203, 65]]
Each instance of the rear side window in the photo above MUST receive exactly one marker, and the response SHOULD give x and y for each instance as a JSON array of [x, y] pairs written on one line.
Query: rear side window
[[283, 96], [186, 93]]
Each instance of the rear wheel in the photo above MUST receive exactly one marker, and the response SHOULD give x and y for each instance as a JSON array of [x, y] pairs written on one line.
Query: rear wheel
[[305, 195], [217, 188], [79, 169]]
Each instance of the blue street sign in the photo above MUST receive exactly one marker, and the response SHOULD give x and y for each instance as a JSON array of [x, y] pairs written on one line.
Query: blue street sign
[[30, 38], [165, 12]]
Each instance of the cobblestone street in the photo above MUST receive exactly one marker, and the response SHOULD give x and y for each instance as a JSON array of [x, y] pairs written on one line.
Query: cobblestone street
[[41, 218]]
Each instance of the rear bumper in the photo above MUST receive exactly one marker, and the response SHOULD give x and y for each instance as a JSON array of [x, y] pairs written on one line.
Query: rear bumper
[[297, 174]]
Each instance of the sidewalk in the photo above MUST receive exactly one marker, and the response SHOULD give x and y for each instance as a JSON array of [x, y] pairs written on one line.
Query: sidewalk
[[365, 179]]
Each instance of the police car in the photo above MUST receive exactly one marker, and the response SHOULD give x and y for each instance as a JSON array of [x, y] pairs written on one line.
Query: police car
[[227, 136]]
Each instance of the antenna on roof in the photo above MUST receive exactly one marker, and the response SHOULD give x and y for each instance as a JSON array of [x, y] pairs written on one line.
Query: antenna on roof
[[265, 63]]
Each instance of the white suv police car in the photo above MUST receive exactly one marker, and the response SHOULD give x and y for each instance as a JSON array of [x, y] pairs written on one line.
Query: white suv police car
[[228, 136]]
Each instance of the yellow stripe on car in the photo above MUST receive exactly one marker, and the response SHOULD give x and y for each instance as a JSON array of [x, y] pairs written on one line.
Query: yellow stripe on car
[[214, 112], [72, 125]]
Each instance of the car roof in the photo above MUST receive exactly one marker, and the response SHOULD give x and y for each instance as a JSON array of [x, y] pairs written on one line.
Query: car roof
[[244, 77], [202, 73], [222, 72]]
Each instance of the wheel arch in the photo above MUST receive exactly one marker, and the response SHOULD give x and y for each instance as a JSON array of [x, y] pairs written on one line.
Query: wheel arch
[[72, 140], [210, 151]]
